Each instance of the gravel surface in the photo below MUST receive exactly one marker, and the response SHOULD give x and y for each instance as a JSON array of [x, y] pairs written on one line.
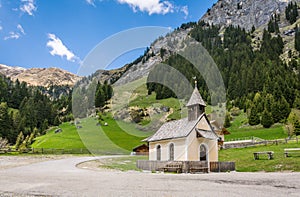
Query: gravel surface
[[62, 178], [15, 161]]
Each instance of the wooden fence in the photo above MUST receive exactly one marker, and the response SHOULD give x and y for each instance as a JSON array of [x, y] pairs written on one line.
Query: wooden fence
[[243, 144], [222, 166], [46, 151], [186, 165], [59, 151]]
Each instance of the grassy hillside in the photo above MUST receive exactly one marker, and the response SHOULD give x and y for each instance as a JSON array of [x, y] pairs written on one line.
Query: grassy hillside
[[141, 99], [240, 129], [67, 139], [109, 139], [120, 137]]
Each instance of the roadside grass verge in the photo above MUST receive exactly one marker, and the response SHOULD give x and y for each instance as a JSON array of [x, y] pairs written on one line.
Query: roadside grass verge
[[122, 163]]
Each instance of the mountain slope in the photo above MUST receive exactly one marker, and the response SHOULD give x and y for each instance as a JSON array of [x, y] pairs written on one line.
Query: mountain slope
[[244, 13], [40, 76]]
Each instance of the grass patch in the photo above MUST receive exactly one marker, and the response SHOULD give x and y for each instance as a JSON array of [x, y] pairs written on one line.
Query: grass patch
[[118, 136], [109, 140], [245, 161], [131, 129], [275, 132], [238, 129], [67, 139], [122, 163]]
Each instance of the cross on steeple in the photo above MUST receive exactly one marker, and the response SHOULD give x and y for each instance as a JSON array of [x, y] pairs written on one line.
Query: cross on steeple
[[196, 105]]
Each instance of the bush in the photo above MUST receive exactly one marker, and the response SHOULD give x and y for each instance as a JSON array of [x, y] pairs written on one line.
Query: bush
[[235, 111], [3, 142], [266, 119], [227, 121]]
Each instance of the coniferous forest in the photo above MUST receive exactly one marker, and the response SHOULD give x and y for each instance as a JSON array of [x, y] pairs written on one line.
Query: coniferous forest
[[26, 111], [256, 78]]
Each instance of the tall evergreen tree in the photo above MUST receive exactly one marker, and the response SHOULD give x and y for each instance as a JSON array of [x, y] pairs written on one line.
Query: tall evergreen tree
[[254, 118], [5, 123], [266, 119], [297, 38], [227, 121], [296, 125], [291, 12]]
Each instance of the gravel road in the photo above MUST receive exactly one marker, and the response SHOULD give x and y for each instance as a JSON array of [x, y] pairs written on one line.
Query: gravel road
[[62, 178]]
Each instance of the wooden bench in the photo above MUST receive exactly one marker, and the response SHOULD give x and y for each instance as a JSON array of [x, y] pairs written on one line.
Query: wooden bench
[[288, 151], [269, 153], [173, 167], [195, 169]]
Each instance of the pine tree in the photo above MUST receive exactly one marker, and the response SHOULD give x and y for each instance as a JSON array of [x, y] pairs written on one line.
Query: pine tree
[[296, 125], [254, 118], [20, 139], [266, 119], [297, 38], [273, 24], [24, 145], [5, 124], [45, 126], [297, 102], [99, 98], [56, 121], [284, 108], [291, 12], [227, 121]]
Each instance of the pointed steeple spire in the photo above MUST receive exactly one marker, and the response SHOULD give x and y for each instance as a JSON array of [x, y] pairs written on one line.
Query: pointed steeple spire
[[196, 98], [196, 105]]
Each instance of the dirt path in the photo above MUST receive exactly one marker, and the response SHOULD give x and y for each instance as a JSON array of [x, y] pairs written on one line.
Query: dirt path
[[63, 178]]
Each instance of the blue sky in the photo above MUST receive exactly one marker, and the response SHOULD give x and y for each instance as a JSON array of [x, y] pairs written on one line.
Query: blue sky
[[60, 33]]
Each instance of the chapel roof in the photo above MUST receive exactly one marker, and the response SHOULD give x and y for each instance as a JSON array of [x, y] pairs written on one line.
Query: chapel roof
[[178, 129]]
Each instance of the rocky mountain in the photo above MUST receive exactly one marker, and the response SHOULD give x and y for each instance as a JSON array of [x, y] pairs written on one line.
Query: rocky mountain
[[245, 13], [40, 76], [159, 51], [10, 71]]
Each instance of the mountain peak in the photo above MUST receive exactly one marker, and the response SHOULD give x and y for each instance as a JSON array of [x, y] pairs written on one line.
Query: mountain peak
[[40, 76], [244, 13]]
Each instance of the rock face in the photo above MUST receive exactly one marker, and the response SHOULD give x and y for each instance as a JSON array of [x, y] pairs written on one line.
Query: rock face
[[244, 13], [10, 71], [170, 43], [40, 76]]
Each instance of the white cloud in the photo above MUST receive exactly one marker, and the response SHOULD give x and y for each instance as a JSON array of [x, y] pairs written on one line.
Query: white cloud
[[91, 2], [150, 6], [15, 34], [20, 28], [185, 10], [58, 48], [12, 35], [1, 28], [28, 6]]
